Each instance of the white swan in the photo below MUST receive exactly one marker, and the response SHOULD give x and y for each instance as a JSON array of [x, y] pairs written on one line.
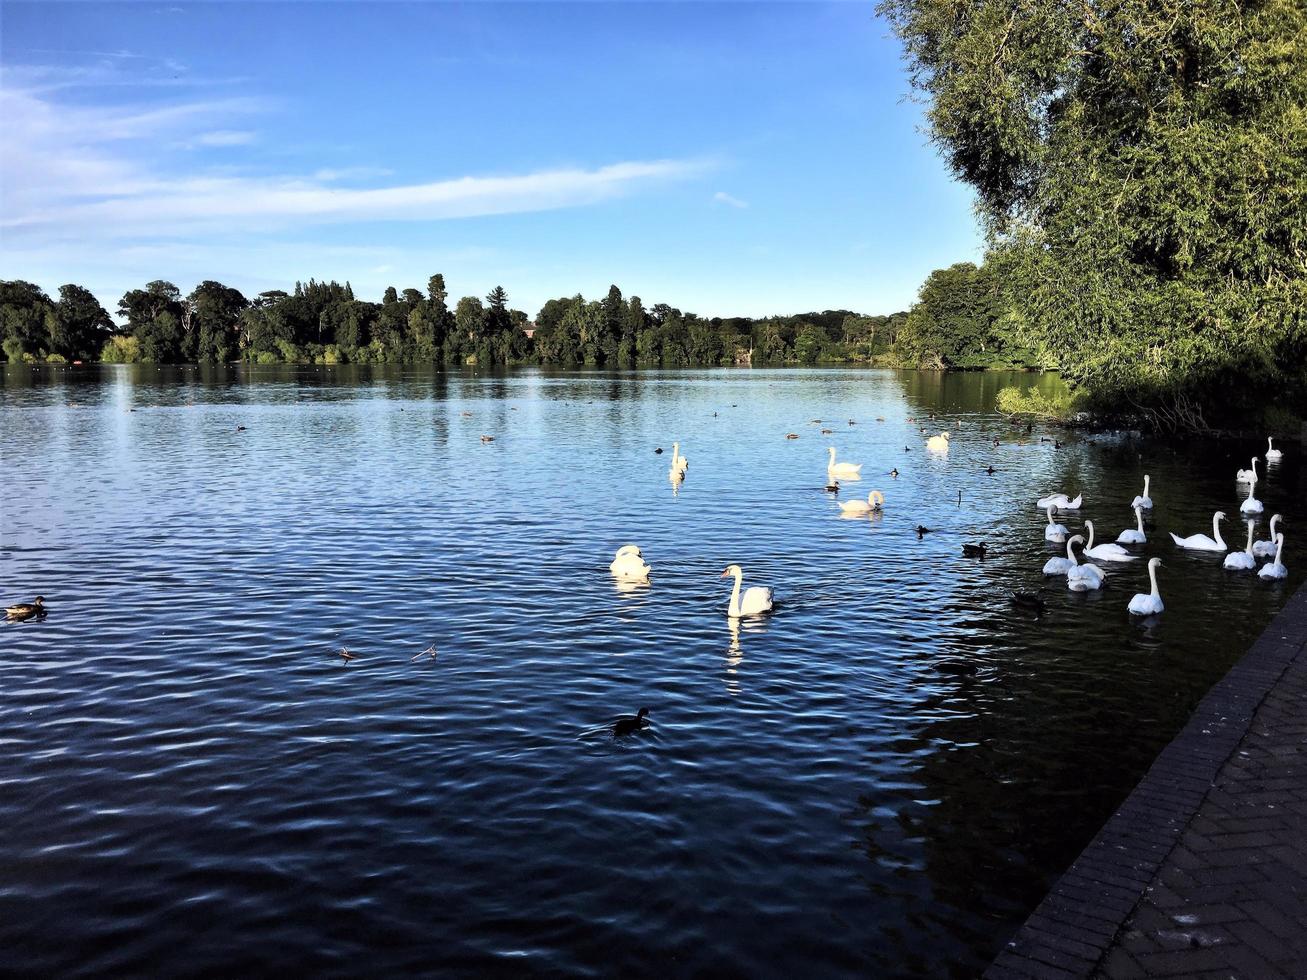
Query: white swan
[[1105, 552], [1201, 542], [1054, 532], [1148, 603], [629, 566], [679, 463], [1247, 476], [875, 501], [1061, 501], [1060, 565], [1085, 578], [1275, 569], [756, 600], [1252, 505], [1143, 500], [1242, 561], [1271, 451], [1265, 549], [938, 444], [1132, 536], [843, 471]]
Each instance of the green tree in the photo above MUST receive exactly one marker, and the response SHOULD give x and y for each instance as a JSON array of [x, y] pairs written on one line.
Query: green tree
[[214, 312], [1141, 169]]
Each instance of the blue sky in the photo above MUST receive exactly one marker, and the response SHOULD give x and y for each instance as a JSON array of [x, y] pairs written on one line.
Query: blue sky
[[728, 159]]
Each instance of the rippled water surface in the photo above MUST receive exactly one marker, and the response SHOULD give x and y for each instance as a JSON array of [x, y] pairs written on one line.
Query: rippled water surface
[[193, 780]]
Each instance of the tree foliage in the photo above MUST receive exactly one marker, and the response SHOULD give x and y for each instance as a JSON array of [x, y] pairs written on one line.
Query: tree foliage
[[1142, 168]]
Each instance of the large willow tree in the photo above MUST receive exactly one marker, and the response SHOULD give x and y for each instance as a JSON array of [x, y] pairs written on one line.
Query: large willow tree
[[1141, 167]]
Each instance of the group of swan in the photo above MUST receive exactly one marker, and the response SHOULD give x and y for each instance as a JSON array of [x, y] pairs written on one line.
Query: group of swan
[[628, 565]]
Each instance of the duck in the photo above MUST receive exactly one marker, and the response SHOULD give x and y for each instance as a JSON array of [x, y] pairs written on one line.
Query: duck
[[791, 435], [975, 550], [1275, 569], [846, 471], [922, 531], [1054, 532], [827, 432], [1060, 565], [1242, 561], [894, 473], [1148, 603], [1201, 542], [487, 438], [875, 501], [629, 565], [1061, 501], [1143, 500], [832, 487], [1105, 552], [1247, 476], [1134, 535], [1271, 451], [658, 451], [939, 443], [1031, 601], [627, 725], [755, 601], [990, 470], [1266, 549], [20, 611]]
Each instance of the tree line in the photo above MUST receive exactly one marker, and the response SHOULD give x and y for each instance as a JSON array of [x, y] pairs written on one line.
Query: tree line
[[961, 320]]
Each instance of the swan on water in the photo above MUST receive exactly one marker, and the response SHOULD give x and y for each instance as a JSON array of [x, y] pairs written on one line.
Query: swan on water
[[1266, 549], [1060, 565], [875, 501], [1247, 476], [939, 443], [1276, 568], [679, 463], [844, 471], [1132, 535], [1105, 552], [756, 600], [1271, 451], [1085, 578], [1143, 500], [1252, 505], [1061, 501], [1242, 561], [1054, 532], [629, 565], [1148, 603], [1201, 542]]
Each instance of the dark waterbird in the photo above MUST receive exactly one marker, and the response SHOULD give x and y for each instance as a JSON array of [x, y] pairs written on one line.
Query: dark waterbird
[[240, 428], [832, 487], [958, 668], [1029, 601], [626, 725], [894, 472], [991, 471], [975, 550], [26, 610], [658, 451], [922, 531]]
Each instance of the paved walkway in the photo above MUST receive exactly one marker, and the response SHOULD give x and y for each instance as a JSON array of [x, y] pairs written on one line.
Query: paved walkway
[[1202, 872]]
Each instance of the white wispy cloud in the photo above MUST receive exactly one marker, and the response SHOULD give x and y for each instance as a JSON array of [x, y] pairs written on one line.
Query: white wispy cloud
[[721, 197], [72, 171]]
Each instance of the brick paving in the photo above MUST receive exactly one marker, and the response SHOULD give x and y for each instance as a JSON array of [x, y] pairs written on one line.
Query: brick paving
[[1202, 871]]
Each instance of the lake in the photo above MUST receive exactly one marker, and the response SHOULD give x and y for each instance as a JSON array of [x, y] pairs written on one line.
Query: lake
[[195, 781]]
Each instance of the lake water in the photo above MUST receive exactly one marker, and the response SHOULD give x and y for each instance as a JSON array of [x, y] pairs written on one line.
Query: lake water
[[194, 781]]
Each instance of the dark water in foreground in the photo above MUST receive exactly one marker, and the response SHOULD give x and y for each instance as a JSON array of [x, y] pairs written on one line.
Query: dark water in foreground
[[194, 782]]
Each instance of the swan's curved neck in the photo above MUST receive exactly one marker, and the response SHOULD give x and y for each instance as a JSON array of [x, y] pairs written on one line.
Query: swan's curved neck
[[1274, 521], [1152, 577], [1089, 545], [1070, 551], [735, 593], [676, 452], [1269, 447], [1139, 514], [1216, 531], [1146, 484], [1279, 546], [1249, 547]]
